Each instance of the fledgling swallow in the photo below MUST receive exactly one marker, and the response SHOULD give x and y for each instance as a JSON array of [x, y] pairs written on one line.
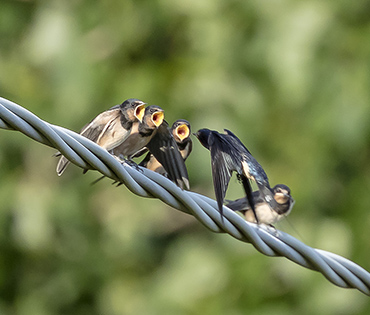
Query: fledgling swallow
[[265, 214], [228, 154], [141, 134], [181, 132], [110, 128]]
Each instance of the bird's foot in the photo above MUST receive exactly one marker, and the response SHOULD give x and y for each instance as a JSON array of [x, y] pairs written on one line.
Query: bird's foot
[[119, 158], [270, 229], [132, 164]]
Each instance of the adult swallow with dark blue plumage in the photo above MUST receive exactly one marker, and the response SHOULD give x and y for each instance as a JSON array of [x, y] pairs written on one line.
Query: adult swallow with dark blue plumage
[[110, 128], [228, 155]]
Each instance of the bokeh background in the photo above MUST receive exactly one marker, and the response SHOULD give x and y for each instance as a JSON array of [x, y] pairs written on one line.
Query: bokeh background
[[290, 78]]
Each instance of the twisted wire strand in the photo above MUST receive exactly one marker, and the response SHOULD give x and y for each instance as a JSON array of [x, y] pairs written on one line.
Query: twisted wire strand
[[145, 183]]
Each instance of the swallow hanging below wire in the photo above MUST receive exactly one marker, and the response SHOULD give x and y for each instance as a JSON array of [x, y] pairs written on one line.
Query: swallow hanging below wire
[[228, 154], [110, 128], [181, 133], [265, 214]]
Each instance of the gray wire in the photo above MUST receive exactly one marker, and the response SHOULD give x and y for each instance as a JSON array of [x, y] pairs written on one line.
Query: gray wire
[[145, 183]]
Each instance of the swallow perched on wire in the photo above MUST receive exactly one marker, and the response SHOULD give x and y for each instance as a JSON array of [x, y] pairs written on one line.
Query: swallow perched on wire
[[228, 154], [265, 214], [110, 128], [141, 134], [181, 133]]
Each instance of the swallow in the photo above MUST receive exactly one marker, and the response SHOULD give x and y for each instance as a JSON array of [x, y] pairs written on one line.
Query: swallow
[[266, 214], [228, 155], [141, 134], [181, 133], [110, 128]]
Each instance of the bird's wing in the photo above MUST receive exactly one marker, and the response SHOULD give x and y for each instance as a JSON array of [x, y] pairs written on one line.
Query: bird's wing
[[187, 150], [256, 172], [93, 130], [242, 204], [99, 124], [221, 161], [239, 154], [255, 169], [164, 148], [236, 139], [249, 195]]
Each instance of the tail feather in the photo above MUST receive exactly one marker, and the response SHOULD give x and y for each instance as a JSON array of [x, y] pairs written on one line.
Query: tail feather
[[249, 194], [62, 165]]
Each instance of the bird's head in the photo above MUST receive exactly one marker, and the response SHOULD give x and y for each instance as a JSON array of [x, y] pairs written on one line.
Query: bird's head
[[155, 115], [181, 130], [282, 194], [135, 109], [203, 135]]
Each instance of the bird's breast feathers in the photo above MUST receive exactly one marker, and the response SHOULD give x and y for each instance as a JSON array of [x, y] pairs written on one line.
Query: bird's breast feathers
[[134, 142], [112, 135], [265, 215]]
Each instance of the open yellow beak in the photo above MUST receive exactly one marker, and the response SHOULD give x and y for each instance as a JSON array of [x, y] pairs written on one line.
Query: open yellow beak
[[139, 112], [182, 132], [157, 118]]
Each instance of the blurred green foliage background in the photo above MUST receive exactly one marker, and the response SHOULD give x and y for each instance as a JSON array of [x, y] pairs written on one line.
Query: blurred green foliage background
[[290, 78]]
